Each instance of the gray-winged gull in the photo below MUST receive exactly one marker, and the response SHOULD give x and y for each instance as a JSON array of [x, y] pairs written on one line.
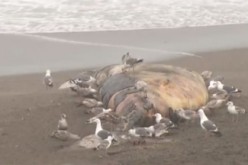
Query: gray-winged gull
[[219, 95], [166, 121], [216, 103], [234, 110], [158, 129], [62, 124], [48, 80], [140, 132], [207, 124], [64, 135], [187, 114], [220, 86], [130, 61], [101, 133]]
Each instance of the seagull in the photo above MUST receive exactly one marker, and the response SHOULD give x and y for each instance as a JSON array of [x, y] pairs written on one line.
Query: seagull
[[234, 110], [103, 113], [99, 131], [212, 84], [220, 86], [62, 124], [166, 121], [90, 103], [207, 124], [81, 81], [206, 75], [64, 135], [214, 104], [133, 61], [140, 132], [220, 95], [228, 89], [187, 114], [130, 61], [48, 81], [158, 129]]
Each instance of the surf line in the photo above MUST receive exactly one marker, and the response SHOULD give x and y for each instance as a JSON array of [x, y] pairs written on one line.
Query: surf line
[[54, 39]]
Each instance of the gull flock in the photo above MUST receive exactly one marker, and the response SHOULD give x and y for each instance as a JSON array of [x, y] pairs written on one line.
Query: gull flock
[[220, 95]]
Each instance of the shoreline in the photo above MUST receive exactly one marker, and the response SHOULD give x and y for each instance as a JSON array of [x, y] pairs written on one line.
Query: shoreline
[[76, 50]]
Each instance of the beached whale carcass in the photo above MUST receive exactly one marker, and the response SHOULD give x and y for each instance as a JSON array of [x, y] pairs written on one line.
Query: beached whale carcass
[[168, 87]]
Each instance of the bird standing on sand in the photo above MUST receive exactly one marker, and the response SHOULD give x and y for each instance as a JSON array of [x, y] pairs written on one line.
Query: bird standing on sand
[[103, 135], [158, 129], [48, 81], [62, 124], [234, 110], [187, 114], [220, 95], [64, 135], [220, 86], [140, 132], [207, 124], [214, 104], [100, 133], [166, 121]]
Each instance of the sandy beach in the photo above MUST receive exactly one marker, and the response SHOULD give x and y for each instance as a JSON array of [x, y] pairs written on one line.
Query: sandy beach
[[29, 112]]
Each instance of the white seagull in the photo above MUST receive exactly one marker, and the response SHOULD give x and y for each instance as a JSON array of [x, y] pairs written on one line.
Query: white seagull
[[48, 81], [64, 135], [140, 132], [234, 110], [187, 114], [220, 95], [216, 103], [220, 86], [99, 131], [102, 114], [158, 129], [166, 121], [207, 124], [62, 124]]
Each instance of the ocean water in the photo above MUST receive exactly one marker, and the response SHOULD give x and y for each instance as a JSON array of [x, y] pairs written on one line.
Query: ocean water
[[34, 16]]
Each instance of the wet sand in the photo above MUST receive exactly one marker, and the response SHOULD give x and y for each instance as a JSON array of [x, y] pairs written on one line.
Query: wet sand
[[63, 51], [29, 113]]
